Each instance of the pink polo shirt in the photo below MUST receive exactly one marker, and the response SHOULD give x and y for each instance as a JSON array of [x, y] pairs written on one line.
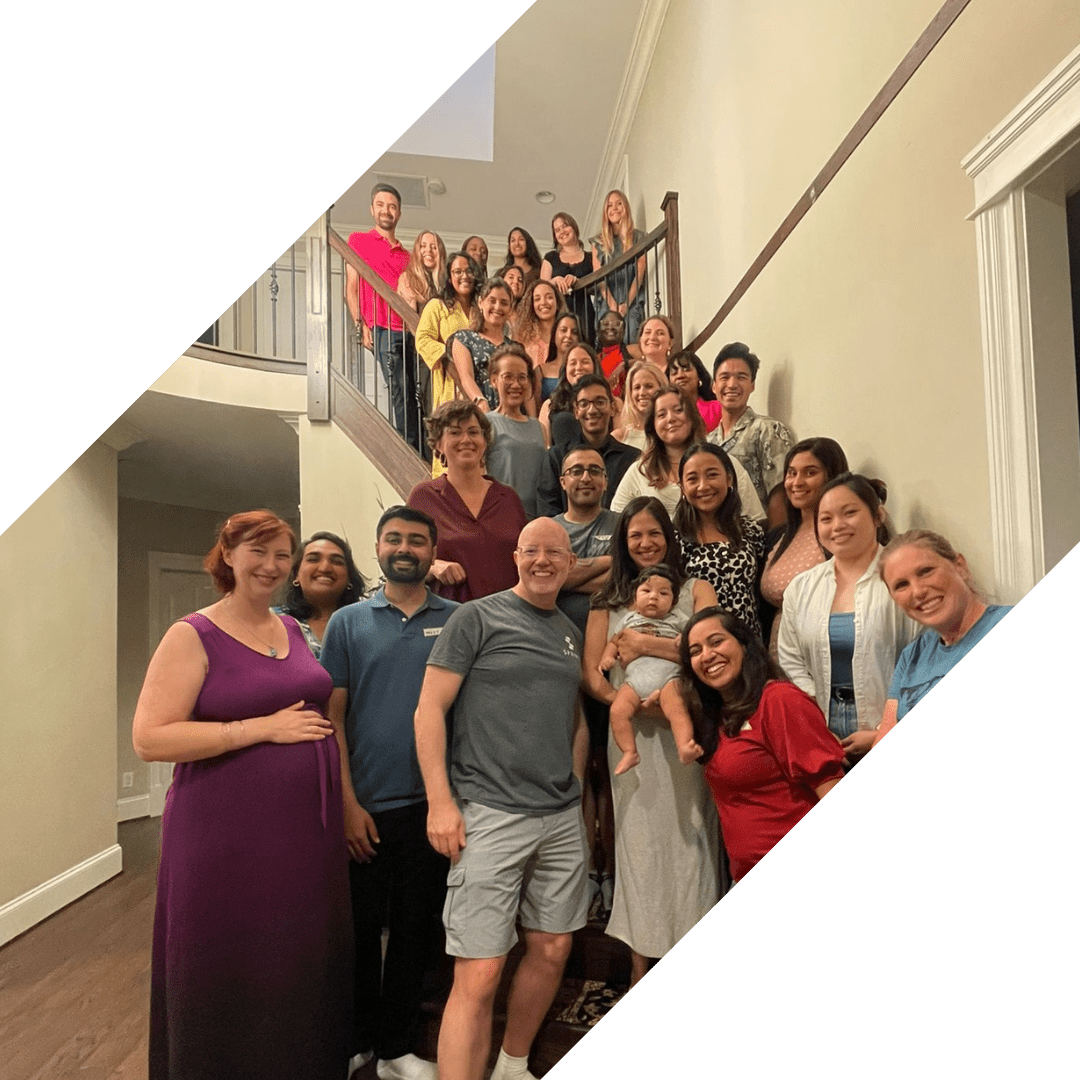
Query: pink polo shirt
[[388, 261]]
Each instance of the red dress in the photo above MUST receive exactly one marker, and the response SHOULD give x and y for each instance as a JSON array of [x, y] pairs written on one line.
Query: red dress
[[763, 779]]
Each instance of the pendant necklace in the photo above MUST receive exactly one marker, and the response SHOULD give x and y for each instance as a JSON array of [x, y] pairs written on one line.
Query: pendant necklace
[[247, 626]]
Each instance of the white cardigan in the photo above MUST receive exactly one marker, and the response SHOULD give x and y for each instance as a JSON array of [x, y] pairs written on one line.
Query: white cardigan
[[882, 631]]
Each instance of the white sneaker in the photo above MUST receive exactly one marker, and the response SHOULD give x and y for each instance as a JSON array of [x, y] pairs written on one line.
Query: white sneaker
[[407, 1067], [358, 1061]]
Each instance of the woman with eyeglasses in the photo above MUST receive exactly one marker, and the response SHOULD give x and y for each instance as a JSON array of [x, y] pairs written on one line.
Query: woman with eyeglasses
[[519, 449]]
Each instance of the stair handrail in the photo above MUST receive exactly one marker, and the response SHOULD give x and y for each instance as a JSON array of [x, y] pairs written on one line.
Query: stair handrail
[[407, 315]]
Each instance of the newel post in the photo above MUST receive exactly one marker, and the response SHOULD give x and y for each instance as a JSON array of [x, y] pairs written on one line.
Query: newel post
[[318, 320], [670, 206]]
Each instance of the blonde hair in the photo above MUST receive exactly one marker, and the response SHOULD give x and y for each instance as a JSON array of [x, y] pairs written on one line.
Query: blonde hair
[[422, 282], [631, 418], [607, 237]]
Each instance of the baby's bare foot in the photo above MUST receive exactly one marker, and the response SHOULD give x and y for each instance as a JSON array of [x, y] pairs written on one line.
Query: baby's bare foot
[[629, 759]]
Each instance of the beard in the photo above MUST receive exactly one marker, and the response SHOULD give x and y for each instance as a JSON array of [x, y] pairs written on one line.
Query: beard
[[404, 570]]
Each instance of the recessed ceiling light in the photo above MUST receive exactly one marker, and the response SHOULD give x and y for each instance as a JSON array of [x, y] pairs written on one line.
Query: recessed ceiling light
[[545, 196]]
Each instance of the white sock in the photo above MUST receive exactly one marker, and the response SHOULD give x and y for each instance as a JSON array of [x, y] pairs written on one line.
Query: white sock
[[509, 1067]]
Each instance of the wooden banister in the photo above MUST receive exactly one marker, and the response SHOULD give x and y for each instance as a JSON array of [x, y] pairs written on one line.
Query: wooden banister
[[403, 310], [245, 360], [630, 254]]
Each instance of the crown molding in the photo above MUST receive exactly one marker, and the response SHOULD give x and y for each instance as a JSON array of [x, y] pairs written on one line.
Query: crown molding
[[638, 63]]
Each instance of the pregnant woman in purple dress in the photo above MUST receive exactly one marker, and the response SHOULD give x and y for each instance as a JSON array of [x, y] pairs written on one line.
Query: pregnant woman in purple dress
[[252, 934]]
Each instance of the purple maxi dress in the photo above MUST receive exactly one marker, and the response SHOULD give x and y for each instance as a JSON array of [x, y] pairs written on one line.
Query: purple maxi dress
[[252, 958]]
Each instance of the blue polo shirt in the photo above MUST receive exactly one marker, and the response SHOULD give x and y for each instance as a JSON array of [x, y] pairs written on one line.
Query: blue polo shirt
[[379, 655]]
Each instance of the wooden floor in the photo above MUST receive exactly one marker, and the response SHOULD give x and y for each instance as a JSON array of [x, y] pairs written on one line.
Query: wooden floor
[[75, 990]]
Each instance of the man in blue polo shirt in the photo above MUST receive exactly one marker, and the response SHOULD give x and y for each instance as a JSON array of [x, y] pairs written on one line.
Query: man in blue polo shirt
[[376, 652]]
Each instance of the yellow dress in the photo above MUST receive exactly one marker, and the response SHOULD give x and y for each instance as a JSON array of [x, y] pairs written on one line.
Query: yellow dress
[[437, 323]]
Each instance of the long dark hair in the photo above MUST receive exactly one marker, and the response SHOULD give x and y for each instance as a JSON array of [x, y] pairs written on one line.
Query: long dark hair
[[619, 591], [532, 252], [833, 461], [562, 316], [710, 712], [296, 604], [728, 516], [871, 493]]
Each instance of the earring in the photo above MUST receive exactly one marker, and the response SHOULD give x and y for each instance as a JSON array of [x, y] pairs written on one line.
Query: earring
[[296, 582]]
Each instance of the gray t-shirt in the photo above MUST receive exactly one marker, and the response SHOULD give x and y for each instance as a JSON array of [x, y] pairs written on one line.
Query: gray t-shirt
[[513, 727], [586, 542], [516, 456]]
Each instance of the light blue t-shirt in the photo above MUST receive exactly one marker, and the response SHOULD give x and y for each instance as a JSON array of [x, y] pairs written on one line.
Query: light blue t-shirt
[[927, 660]]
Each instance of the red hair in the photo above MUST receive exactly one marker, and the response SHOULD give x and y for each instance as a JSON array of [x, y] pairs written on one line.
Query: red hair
[[251, 525]]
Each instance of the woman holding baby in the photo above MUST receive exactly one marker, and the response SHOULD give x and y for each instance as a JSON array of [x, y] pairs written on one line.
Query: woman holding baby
[[666, 830]]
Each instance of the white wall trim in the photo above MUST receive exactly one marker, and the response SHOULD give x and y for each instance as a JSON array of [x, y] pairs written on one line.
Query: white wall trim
[[1034, 129], [134, 806], [1044, 126], [18, 915], [612, 161]]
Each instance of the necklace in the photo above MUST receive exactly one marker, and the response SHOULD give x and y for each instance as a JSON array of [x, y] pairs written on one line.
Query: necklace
[[247, 626]]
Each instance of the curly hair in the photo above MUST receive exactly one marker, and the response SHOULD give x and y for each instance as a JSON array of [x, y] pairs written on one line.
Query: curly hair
[[526, 324], [453, 414]]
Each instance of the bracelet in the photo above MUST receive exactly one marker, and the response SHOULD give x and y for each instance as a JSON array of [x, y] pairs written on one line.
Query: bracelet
[[479, 397], [226, 733]]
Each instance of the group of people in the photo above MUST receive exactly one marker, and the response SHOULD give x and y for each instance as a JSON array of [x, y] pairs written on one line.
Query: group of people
[[616, 698], [466, 311]]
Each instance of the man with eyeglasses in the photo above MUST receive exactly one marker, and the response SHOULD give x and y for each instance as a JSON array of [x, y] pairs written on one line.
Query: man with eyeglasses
[[508, 813], [594, 410]]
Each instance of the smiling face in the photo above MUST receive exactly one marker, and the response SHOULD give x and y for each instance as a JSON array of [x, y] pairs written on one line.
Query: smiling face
[[511, 380], [683, 375], [405, 551], [611, 328], [593, 409], [645, 540], [673, 425], [563, 232], [583, 479], [655, 342], [733, 384], [846, 527], [616, 210], [513, 277], [654, 597], [544, 301], [323, 573], [931, 589], [495, 308], [716, 657], [803, 481], [644, 387], [429, 251], [463, 444], [578, 363], [461, 277], [260, 566], [477, 250], [385, 211], [566, 335], [705, 483], [543, 558], [516, 243]]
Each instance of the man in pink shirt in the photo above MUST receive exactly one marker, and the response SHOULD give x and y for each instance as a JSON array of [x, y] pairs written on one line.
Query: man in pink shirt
[[383, 331]]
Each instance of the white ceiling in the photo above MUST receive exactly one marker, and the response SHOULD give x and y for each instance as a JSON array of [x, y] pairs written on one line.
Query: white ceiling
[[209, 456], [558, 71]]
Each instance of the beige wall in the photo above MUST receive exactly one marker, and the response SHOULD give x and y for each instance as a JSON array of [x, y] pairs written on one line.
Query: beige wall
[[341, 491], [145, 527], [867, 321], [58, 679]]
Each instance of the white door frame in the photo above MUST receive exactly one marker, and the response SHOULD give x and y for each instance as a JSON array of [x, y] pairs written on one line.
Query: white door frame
[[159, 561], [1030, 385]]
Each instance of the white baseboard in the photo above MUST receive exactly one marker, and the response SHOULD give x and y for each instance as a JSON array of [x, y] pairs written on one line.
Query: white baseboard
[[134, 806], [28, 910]]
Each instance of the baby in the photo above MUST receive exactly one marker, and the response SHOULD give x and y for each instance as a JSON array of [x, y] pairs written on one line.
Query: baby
[[655, 593]]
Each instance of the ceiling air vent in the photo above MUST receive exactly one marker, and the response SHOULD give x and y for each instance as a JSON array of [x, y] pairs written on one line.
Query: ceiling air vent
[[414, 189]]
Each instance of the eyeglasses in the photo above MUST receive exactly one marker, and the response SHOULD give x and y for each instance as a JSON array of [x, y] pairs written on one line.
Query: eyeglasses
[[554, 554], [578, 471], [461, 273], [592, 404]]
